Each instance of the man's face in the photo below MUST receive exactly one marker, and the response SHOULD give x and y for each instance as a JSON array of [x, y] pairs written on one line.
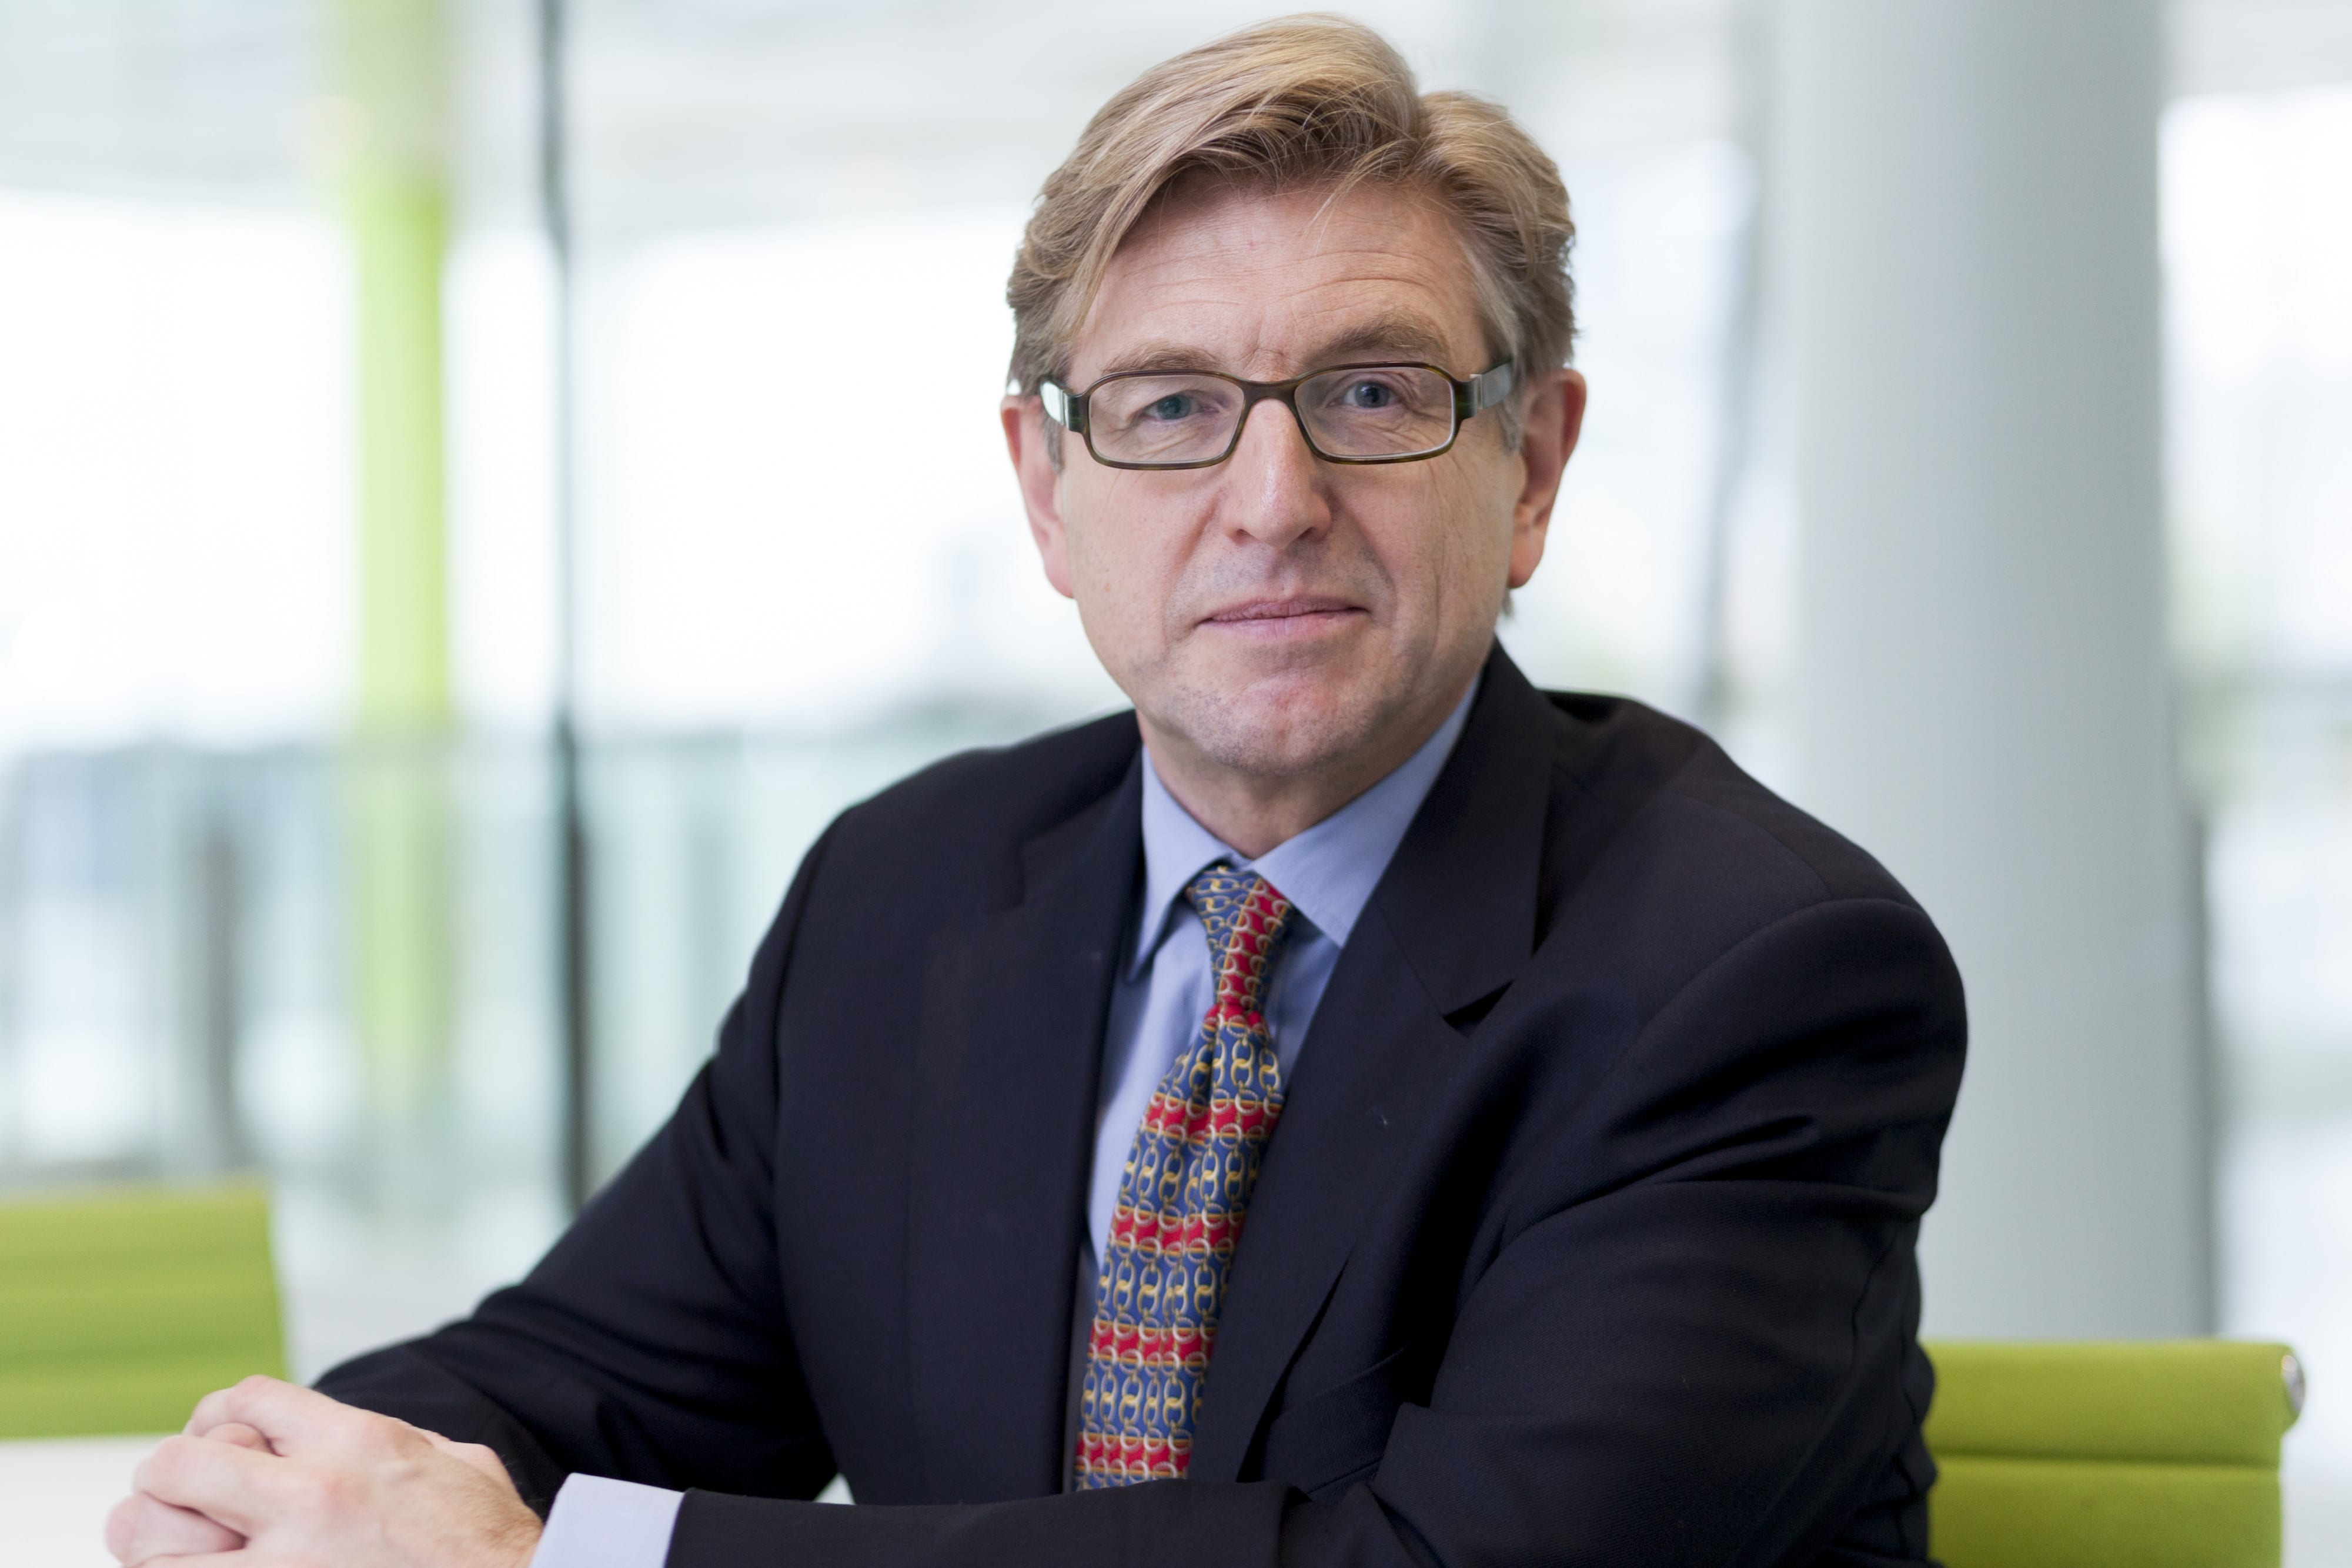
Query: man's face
[[1278, 615]]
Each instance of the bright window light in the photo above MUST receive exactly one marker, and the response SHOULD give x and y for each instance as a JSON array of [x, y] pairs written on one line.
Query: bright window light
[[175, 472]]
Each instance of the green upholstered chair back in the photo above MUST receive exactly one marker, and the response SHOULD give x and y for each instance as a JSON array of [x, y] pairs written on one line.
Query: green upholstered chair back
[[119, 1309], [2160, 1453]]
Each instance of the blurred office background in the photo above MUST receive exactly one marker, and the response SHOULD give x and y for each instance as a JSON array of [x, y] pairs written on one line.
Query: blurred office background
[[351, 447]]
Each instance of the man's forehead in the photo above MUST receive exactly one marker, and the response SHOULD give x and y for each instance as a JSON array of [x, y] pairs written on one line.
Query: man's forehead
[[1281, 282], [1387, 335]]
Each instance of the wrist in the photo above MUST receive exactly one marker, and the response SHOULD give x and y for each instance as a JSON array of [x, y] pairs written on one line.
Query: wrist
[[519, 1542]]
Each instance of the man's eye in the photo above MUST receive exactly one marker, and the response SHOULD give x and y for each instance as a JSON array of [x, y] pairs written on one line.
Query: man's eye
[[1371, 394], [1174, 406]]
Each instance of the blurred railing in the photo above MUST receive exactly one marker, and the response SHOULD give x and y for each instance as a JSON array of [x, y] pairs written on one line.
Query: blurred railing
[[183, 932], [206, 965], [2272, 758], [196, 965]]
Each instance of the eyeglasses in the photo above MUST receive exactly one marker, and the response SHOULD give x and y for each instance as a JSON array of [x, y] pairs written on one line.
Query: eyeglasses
[[1349, 413]]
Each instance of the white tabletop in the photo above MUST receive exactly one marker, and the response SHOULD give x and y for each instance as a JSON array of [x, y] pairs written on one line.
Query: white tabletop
[[55, 1496]]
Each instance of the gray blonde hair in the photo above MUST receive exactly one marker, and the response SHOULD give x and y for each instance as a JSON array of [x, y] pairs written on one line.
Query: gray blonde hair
[[1303, 102]]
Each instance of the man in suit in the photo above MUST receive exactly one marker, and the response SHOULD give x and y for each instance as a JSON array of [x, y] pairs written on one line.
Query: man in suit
[[1354, 1108]]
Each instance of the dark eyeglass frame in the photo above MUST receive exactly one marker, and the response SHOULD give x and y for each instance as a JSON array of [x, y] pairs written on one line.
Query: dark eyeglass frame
[[1481, 391]]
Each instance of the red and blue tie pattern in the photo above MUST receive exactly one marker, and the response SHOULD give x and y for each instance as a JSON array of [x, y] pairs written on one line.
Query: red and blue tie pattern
[[1180, 1205]]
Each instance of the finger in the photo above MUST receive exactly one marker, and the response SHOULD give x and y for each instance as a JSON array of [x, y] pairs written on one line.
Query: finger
[[232, 1485], [211, 1411], [289, 1416], [140, 1527], [243, 1435], [481, 1457]]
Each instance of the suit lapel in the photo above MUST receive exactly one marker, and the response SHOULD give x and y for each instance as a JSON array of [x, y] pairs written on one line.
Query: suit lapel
[[1452, 922], [1013, 1014]]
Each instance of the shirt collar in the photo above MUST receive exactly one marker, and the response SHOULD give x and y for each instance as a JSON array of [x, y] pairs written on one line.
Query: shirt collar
[[1327, 873]]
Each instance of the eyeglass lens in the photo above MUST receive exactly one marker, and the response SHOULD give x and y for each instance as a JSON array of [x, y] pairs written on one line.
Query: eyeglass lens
[[1190, 417]]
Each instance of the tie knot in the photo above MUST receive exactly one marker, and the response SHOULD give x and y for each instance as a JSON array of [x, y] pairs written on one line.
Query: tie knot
[[1246, 917]]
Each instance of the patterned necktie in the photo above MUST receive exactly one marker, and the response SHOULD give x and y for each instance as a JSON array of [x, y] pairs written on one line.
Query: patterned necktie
[[1180, 1205]]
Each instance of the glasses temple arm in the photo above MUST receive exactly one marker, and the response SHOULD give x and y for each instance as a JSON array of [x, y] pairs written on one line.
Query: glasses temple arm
[[1063, 406], [1483, 391]]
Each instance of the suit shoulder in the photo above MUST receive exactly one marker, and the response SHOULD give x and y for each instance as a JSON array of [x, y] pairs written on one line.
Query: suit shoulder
[[1665, 862], [1672, 786]]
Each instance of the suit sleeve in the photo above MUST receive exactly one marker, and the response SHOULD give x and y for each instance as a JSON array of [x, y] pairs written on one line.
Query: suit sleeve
[[1708, 1355], [1694, 1340], [651, 1344]]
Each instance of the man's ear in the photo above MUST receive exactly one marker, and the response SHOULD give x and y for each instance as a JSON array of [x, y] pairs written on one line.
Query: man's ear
[[1041, 487], [1555, 417]]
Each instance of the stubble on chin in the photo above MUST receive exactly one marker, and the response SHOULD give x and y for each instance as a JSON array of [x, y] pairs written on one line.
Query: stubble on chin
[[1279, 726]]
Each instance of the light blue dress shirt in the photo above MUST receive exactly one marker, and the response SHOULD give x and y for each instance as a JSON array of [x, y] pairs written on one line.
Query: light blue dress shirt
[[599, 1522], [1163, 992]]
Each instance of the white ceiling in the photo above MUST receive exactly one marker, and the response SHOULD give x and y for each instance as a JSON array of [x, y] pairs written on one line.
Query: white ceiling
[[694, 111]]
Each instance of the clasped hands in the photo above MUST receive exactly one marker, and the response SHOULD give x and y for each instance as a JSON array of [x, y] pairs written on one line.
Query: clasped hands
[[270, 1475]]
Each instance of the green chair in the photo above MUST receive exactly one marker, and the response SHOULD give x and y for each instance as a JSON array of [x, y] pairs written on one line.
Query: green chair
[[2162, 1454], [119, 1309]]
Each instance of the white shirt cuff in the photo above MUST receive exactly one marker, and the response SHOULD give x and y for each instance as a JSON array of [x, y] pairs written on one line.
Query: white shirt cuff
[[598, 1522]]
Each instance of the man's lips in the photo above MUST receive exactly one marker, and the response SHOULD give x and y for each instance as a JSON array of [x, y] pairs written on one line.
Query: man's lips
[[1283, 617]]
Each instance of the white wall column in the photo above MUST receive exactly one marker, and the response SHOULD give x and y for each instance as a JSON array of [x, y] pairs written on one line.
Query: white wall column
[[1963, 201]]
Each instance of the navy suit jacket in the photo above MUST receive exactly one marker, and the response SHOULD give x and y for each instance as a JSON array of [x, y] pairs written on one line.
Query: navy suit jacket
[[1587, 1237]]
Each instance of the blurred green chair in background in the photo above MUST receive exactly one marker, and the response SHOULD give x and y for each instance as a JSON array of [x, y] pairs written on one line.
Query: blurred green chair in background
[[119, 1309], [2162, 1454]]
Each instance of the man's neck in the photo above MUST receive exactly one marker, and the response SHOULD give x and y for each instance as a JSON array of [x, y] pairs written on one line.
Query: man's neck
[[1254, 811]]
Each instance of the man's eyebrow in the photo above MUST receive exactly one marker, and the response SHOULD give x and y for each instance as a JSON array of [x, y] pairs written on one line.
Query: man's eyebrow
[[1162, 356], [1397, 335]]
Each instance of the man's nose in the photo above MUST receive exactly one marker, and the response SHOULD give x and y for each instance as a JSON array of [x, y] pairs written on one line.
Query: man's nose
[[1275, 484]]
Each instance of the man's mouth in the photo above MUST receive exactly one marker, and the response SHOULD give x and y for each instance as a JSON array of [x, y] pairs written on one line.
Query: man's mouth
[[1297, 615]]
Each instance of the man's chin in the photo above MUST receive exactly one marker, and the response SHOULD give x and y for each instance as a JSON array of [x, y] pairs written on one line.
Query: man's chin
[[1285, 726]]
